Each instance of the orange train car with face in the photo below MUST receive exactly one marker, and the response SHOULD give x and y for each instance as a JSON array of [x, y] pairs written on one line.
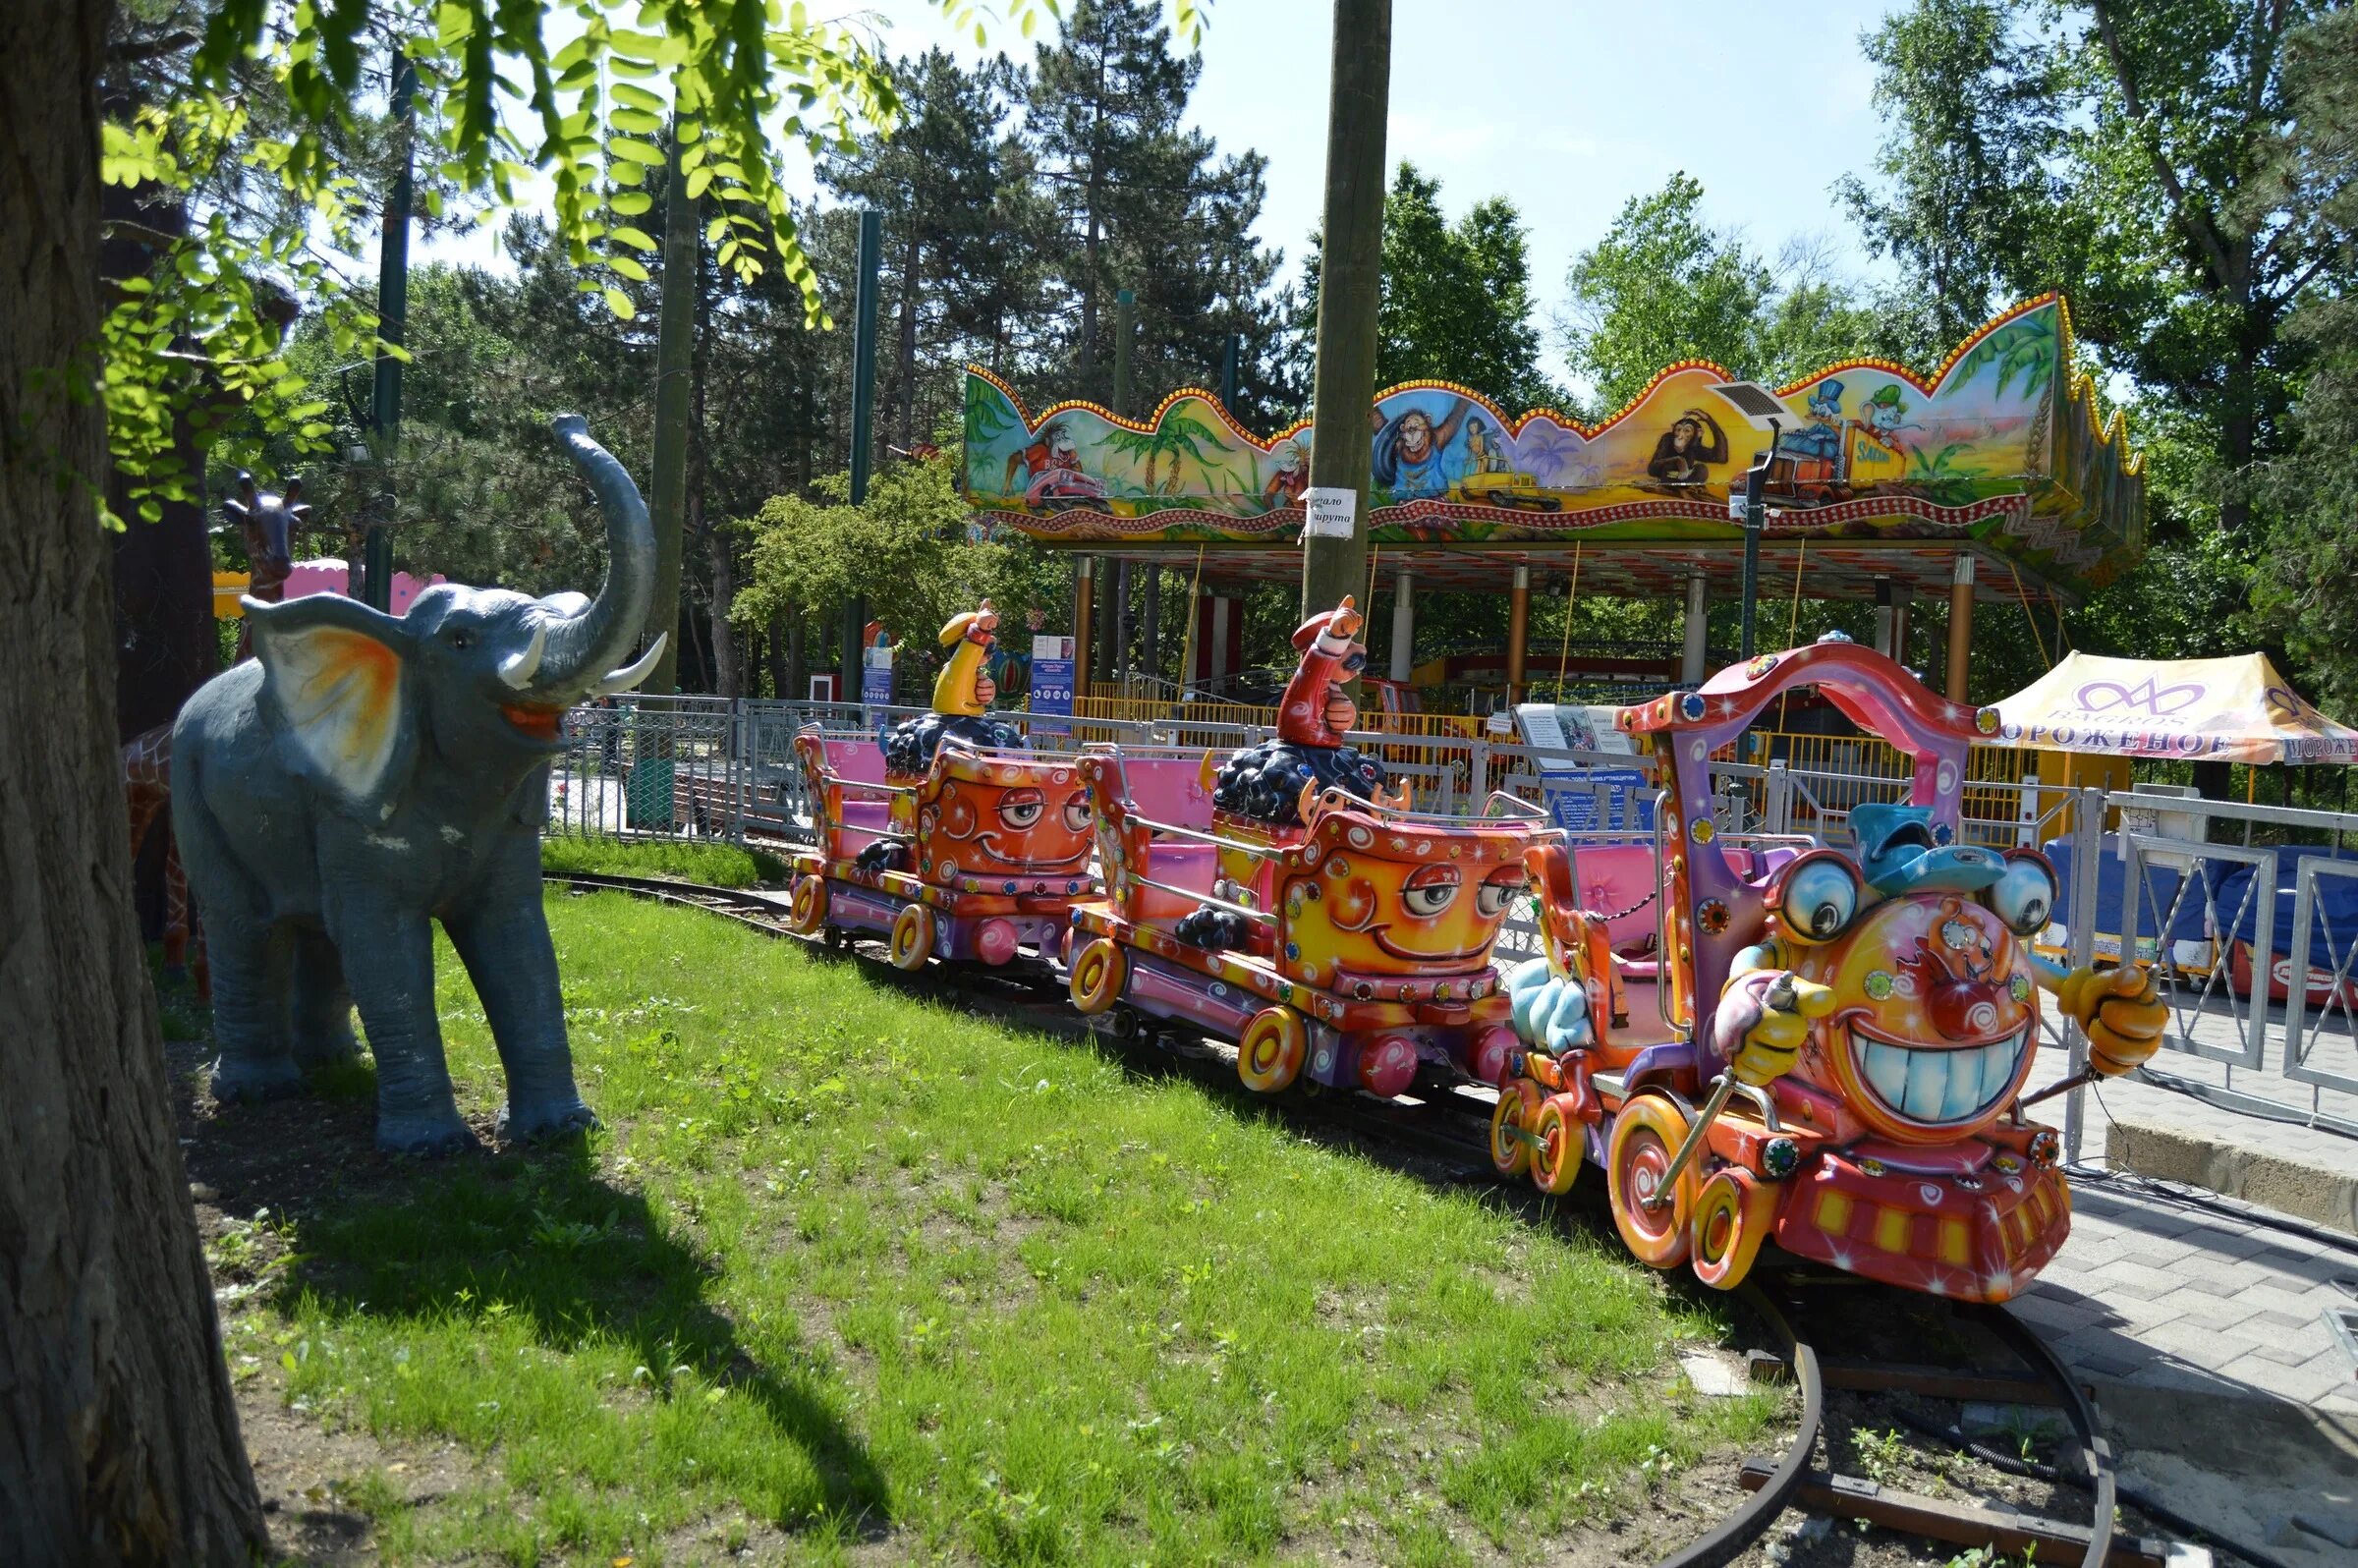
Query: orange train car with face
[[1832, 1051], [1353, 951], [944, 833]]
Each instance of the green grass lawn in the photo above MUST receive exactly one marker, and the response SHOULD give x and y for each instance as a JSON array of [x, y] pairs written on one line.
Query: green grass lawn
[[847, 1276], [690, 861]]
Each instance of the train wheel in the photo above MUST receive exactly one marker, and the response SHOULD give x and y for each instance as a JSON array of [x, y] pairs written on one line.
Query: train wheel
[[1099, 970], [808, 910], [1559, 1148], [1646, 1135], [911, 937], [1510, 1127], [1733, 1215], [1269, 1056]]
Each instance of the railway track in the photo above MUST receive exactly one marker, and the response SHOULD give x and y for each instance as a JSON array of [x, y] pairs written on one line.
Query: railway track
[[1992, 1359]]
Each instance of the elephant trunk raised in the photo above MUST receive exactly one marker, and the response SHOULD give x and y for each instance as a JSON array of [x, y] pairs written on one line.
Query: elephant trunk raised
[[366, 777], [587, 654]]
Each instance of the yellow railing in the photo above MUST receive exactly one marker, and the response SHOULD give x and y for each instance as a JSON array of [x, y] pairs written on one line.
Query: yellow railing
[[1154, 710]]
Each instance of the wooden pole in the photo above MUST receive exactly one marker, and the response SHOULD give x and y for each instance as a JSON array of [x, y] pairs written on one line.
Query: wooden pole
[[1518, 634], [1960, 625], [1350, 276]]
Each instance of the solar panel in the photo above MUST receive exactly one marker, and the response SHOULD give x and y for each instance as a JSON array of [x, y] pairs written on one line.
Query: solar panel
[[1756, 403]]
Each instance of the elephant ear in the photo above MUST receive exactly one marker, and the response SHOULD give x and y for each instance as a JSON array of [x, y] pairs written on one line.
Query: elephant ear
[[338, 673]]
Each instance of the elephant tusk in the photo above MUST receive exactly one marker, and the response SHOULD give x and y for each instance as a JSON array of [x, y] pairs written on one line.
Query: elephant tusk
[[518, 669], [624, 679]]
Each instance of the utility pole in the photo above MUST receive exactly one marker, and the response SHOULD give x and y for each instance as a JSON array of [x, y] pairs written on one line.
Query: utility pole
[[863, 398], [393, 315], [675, 352], [1350, 274]]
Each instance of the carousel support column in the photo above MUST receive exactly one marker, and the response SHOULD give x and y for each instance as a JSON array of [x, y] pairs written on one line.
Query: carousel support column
[[1900, 595], [1883, 617], [1217, 668], [1085, 606], [1960, 625], [1104, 579], [1121, 624], [1697, 651], [1149, 636], [1404, 626], [1518, 633]]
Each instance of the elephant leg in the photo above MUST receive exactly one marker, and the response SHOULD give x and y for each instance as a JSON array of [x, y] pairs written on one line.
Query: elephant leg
[[322, 1014], [503, 941], [251, 964], [393, 981]]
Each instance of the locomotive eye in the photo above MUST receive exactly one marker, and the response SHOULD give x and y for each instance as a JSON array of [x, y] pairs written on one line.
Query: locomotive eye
[[1430, 891], [1076, 812], [1021, 809], [1493, 896], [2025, 893], [1819, 894]]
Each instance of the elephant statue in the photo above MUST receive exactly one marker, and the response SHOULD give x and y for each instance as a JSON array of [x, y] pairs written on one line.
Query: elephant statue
[[366, 775]]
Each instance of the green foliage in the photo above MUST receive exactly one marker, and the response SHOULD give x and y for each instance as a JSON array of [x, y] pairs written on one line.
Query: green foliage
[[1125, 197], [1456, 300], [714, 864], [850, 1271], [739, 83], [906, 550], [1663, 286], [2136, 158]]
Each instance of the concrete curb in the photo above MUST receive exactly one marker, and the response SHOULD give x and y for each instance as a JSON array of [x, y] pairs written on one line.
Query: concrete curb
[[2244, 1169]]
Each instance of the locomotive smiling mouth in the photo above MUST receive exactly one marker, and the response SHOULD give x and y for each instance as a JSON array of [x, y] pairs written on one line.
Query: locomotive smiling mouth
[[1938, 1085], [1416, 955], [988, 843]]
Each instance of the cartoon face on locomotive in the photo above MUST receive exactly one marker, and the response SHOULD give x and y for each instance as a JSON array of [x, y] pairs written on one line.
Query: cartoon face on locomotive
[[1878, 1007]]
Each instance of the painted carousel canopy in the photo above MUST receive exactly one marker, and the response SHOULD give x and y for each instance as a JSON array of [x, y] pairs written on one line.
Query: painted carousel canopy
[[1876, 470]]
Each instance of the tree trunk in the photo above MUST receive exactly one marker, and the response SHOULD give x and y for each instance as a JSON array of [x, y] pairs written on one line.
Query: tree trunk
[[773, 647], [728, 670], [675, 338], [118, 1433]]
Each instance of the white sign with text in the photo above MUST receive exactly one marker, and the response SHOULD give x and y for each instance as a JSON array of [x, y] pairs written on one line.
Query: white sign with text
[[1328, 511]]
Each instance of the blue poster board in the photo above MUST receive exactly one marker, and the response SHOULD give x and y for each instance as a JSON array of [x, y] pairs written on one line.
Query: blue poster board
[[1588, 799], [876, 683], [1051, 684]]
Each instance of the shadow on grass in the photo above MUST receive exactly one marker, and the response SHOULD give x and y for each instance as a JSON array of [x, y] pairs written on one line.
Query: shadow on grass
[[535, 1234]]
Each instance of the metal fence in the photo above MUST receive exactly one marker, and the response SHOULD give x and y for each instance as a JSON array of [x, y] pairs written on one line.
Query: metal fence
[[2248, 913]]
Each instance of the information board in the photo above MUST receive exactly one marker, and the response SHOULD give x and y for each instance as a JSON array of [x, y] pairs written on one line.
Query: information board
[[1051, 684]]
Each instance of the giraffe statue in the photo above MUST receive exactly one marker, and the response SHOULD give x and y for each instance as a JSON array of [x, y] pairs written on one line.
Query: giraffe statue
[[147, 792]]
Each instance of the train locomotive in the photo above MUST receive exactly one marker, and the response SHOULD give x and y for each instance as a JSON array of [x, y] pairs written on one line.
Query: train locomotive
[[1831, 1048]]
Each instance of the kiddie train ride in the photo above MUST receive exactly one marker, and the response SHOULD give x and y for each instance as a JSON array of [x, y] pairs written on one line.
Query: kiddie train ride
[[1861, 1023], [1822, 1048]]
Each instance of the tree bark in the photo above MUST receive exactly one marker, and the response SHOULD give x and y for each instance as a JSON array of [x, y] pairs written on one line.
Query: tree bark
[[118, 1433], [675, 337]]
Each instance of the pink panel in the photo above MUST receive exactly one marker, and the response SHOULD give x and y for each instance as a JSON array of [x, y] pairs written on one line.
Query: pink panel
[[1169, 790]]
